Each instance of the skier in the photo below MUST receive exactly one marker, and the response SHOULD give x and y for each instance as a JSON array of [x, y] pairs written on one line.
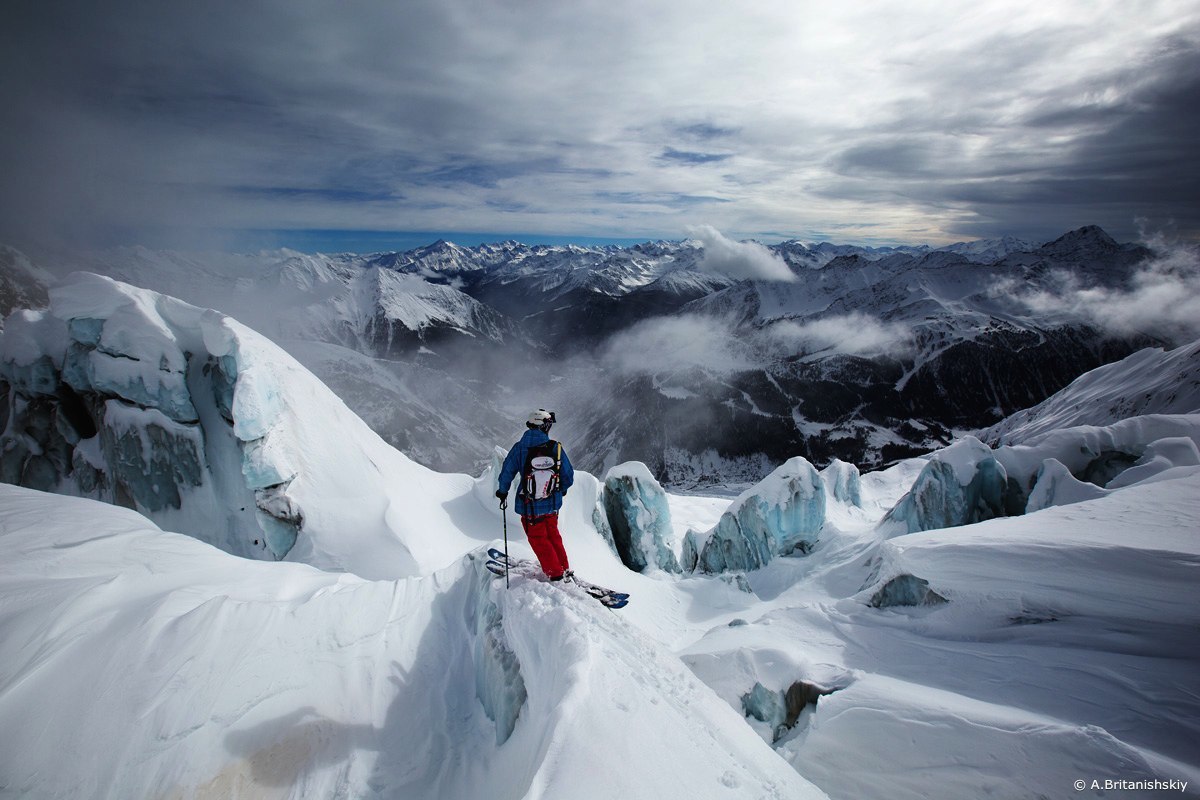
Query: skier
[[546, 475]]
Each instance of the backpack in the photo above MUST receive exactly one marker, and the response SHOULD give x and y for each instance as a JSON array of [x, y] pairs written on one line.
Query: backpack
[[540, 478]]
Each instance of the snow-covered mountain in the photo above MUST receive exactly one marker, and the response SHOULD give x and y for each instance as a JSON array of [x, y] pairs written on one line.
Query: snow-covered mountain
[[381, 339], [989, 251], [22, 285], [869, 355], [864, 359], [1151, 381]]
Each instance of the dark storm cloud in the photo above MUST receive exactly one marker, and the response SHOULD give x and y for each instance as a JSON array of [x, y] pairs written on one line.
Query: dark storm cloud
[[1062, 165], [124, 110], [689, 157], [561, 118], [704, 131]]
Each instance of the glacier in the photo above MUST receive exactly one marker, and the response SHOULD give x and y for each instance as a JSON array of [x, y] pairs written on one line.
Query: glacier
[[230, 676]]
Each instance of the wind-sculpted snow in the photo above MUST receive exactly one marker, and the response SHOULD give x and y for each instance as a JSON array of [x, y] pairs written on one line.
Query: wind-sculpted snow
[[138, 399], [1056, 486], [780, 515], [1100, 454], [227, 677], [639, 518]]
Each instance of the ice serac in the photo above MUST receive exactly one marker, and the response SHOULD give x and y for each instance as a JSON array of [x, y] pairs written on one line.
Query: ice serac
[[961, 484], [781, 709], [135, 398], [781, 514], [639, 518], [105, 395], [842, 482]]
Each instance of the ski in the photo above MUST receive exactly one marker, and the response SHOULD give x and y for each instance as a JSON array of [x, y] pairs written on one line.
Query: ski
[[608, 597], [501, 558]]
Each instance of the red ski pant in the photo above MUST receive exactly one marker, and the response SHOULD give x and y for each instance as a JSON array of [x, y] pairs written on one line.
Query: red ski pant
[[547, 544]]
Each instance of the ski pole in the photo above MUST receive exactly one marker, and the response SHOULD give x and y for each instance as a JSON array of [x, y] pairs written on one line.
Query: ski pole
[[504, 519]]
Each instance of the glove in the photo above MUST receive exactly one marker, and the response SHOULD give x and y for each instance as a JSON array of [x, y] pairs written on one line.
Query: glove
[[503, 499]]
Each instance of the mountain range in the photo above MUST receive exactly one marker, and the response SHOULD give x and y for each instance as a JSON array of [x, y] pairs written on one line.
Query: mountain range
[[658, 352]]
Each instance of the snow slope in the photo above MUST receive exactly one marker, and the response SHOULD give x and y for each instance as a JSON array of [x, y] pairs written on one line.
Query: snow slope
[[213, 676], [1151, 381], [1066, 650]]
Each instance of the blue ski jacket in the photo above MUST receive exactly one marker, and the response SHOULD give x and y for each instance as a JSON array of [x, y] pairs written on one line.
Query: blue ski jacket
[[514, 463]]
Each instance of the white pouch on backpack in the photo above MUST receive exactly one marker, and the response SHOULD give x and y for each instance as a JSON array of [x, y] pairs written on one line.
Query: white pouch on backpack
[[543, 479]]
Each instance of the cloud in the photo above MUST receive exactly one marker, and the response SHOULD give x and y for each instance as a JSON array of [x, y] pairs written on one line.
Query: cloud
[[849, 334], [1161, 298], [666, 345], [739, 259], [690, 157], [452, 115]]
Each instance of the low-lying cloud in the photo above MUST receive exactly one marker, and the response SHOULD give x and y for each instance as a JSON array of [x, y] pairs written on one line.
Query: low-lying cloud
[[724, 256], [854, 334], [1162, 298], [675, 344]]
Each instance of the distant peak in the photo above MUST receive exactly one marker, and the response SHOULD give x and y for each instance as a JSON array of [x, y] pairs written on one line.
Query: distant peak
[[1090, 236]]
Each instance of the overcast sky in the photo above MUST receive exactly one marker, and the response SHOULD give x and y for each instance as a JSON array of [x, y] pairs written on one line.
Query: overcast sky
[[872, 122]]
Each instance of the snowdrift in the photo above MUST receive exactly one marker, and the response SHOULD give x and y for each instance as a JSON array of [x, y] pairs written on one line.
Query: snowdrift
[[212, 675]]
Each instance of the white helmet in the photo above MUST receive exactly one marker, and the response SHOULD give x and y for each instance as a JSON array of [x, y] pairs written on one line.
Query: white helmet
[[540, 417]]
